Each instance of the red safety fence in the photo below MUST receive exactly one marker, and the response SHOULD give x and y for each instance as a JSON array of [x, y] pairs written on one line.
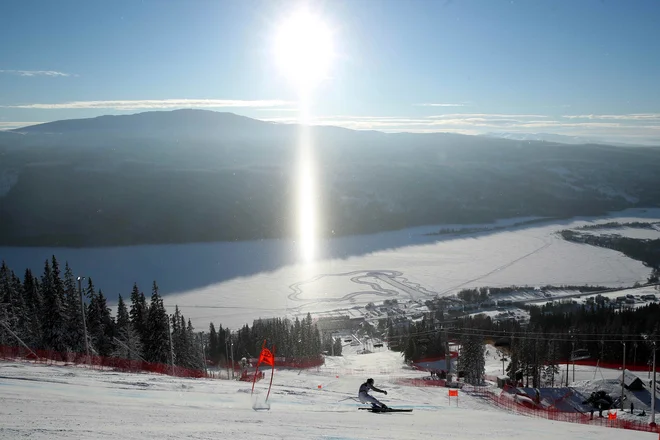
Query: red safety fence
[[422, 382], [50, 357], [308, 362], [524, 406]]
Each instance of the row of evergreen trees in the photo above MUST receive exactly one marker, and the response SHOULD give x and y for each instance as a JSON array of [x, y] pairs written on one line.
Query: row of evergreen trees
[[299, 339], [538, 350], [46, 313], [559, 332]]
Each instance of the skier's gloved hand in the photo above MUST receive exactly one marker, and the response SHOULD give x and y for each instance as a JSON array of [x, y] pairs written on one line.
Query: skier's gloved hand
[[385, 392]]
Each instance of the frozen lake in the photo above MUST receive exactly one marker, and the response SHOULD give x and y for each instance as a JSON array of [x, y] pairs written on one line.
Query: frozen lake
[[233, 283]]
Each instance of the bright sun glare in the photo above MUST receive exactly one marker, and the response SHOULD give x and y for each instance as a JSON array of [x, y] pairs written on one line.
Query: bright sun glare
[[303, 49], [304, 52]]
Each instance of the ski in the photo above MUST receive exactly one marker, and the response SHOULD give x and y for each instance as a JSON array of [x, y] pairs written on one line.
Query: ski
[[379, 410]]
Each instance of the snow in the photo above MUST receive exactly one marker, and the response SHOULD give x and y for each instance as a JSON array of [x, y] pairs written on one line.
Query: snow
[[57, 402], [235, 283], [638, 233], [637, 293]]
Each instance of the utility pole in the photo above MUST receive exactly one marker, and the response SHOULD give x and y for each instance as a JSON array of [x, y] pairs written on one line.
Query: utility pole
[[232, 359], [573, 358], [653, 384], [84, 319], [623, 374], [169, 334], [227, 354], [447, 353], [201, 342]]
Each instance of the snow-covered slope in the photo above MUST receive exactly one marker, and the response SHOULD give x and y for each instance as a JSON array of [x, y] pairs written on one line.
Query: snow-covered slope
[[55, 402]]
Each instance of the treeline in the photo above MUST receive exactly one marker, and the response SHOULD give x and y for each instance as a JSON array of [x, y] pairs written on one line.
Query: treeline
[[415, 340], [618, 225], [47, 312], [539, 350], [644, 250], [428, 338], [299, 339], [483, 294], [559, 332]]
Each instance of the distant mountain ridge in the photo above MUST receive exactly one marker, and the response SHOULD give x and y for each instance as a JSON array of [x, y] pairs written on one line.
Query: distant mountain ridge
[[197, 175]]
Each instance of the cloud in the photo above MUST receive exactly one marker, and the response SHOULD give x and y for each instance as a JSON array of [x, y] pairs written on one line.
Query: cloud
[[278, 109], [639, 130], [51, 73], [154, 104], [430, 104], [9, 125], [626, 117]]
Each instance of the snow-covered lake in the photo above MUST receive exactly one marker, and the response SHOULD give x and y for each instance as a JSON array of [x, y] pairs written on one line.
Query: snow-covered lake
[[234, 283]]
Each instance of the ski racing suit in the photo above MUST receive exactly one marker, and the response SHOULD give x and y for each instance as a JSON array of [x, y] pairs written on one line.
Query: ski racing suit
[[365, 397]]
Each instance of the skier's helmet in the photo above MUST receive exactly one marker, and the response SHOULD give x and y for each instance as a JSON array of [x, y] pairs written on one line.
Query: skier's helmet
[[370, 381]]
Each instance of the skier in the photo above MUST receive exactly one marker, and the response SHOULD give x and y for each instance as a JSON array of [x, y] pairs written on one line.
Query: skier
[[365, 397]]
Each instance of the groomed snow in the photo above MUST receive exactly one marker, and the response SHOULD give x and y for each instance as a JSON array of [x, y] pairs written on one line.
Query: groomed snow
[[55, 402]]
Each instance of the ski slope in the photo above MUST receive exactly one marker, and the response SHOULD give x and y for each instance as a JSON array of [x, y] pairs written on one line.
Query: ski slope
[[56, 402]]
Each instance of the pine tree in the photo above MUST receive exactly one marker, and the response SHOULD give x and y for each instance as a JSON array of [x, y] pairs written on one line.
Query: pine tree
[[139, 313], [196, 358], [410, 352], [157, 348], [8, 308], [179, 343], [337, 347], [74, 323], [53, 318], [101, 325], [129, 345], [33, 304], [551, 370], [213, 345], [472, 359], [23, 318]]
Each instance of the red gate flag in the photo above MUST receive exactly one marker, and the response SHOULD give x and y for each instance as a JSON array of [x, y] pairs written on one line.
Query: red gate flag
[[266, 357], [453, 393]]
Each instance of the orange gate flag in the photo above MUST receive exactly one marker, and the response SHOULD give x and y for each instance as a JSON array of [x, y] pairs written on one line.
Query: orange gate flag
[[266, 357], [453, 393]]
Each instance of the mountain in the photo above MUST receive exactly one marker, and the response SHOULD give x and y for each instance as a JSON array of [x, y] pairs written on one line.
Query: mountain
[[558, 138], [195, 175]]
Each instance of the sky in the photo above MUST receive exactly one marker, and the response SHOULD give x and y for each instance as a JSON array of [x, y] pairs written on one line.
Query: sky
[[588, 68]]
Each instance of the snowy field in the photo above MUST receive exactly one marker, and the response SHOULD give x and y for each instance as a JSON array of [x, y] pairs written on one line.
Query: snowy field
[[234, 283], [55, 402]]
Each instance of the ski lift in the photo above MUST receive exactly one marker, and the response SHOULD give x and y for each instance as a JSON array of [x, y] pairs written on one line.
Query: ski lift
[[580, 354]]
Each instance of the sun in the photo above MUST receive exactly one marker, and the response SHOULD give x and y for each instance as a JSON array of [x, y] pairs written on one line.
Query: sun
[[304, 49]]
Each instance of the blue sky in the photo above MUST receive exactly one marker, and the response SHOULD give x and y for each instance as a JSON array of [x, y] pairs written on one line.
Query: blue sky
[[585, 68]]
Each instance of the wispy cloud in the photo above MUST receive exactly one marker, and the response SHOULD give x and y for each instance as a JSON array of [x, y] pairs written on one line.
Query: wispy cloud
[[51, 73], [634, 130], [432, 104], [8, 125], [154, 104], [278, 109], [625, 117]]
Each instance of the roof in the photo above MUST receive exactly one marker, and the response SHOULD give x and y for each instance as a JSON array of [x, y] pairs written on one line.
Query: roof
[[631, 381]]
